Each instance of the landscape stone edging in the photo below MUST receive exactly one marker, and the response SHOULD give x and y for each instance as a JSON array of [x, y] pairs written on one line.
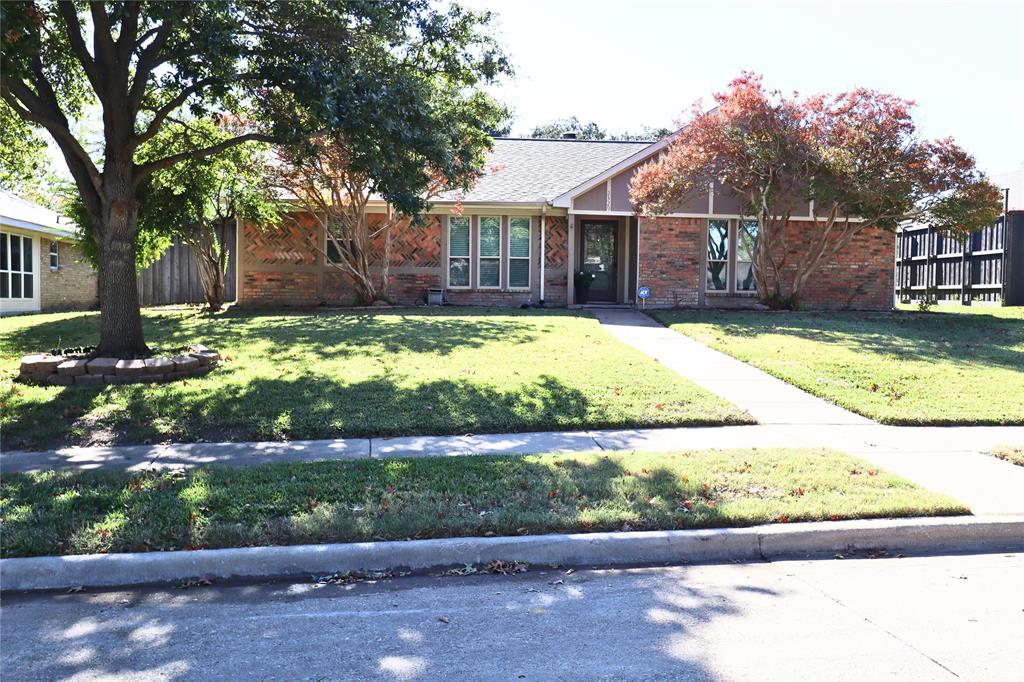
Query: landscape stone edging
[[758, 543], [60, 370]]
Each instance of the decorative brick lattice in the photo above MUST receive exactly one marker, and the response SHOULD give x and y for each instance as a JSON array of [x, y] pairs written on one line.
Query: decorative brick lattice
[[411, 245], [288, 244], [557, 242]]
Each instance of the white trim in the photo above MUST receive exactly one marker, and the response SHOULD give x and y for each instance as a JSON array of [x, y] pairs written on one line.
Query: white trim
[[448, 255], [565, 200], [608, 194], [65, 235], [23, 304], [543, 249], [479, 286]]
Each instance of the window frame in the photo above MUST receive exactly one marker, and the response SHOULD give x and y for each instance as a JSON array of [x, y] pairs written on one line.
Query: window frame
[[468, 257], [528, 257], [731, 260], [8, 272], [480, 258], [54, 256], [736, 259], [708, 260]]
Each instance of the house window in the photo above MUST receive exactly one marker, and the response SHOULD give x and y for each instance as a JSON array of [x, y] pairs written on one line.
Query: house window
[[519, 253], [718, 255], [458, 252], [489, 254], [17, 278], [54, 262], [746, 243]]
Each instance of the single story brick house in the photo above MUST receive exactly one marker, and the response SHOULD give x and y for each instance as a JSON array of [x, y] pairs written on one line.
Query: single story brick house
[[41, 266], [549, 208]]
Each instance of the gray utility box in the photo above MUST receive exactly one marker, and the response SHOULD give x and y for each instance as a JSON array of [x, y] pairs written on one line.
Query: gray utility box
[[435, 296]]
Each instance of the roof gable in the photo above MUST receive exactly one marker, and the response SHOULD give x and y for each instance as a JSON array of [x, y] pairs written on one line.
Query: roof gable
[[538, 170]]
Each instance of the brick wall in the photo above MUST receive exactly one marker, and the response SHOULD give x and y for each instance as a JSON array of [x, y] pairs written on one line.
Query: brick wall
[[280, 288], [860, 277], [284, 267], [670, 260], [73, 285], [556, 261], [671, 264]]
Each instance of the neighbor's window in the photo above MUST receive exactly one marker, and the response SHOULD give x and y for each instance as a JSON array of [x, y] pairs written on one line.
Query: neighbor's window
[[519, 253], [718, 255], [489, 256], [16, 271], [53, 255], [458, 252], [746, 243]]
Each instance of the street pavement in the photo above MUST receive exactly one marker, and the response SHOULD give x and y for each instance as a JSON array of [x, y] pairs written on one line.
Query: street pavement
[[857, 619]]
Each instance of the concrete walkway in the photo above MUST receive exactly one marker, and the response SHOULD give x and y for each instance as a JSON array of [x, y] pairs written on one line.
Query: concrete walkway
[[769, 400], [943, 459]]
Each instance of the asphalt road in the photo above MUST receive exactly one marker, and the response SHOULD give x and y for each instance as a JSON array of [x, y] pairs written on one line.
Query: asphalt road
[[921, 618]]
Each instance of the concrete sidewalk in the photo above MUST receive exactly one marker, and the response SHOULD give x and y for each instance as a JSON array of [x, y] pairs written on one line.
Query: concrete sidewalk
[[769, 400], [943, 459]]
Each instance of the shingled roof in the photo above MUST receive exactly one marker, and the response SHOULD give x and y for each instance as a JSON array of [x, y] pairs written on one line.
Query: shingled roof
[[537, 170]]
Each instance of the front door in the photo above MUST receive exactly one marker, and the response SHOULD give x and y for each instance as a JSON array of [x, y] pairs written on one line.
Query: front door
[[598, 257]]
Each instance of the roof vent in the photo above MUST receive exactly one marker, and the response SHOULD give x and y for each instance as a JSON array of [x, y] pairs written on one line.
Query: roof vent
[[568, 136]]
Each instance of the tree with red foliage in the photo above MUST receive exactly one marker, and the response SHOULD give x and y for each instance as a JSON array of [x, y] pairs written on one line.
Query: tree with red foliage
[[854, 157]]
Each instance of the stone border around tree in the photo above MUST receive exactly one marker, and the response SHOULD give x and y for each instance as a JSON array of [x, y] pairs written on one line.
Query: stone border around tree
[[68, 370]]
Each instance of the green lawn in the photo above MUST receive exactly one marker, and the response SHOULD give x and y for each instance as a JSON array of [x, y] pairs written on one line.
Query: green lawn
[[288, 503], [952, 366], [328, 374]]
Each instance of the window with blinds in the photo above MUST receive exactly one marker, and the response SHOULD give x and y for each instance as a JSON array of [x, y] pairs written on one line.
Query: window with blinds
[[519, 253], [489, 253], [458, 252]]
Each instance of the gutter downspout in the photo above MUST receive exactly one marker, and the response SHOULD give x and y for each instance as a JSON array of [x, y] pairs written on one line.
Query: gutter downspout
[[543, 239]]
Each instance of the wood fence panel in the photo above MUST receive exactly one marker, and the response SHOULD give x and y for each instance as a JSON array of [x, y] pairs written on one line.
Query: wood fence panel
[[174, 277]]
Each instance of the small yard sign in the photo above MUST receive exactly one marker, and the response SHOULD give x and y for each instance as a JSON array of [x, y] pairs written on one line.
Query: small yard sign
[[643, 293]]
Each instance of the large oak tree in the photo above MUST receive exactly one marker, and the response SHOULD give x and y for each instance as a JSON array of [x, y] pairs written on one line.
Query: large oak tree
[[366, 70], [854, 160]]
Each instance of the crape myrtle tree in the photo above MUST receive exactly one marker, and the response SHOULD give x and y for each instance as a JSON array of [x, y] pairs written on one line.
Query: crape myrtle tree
[[855, 157], [363, 69], [198, 200], [326, 183]]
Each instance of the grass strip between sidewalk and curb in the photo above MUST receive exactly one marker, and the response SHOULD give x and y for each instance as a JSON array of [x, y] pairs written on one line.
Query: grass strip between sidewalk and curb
[[66, 512]]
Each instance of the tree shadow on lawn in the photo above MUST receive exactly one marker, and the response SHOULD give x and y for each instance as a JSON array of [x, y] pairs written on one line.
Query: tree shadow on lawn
[[982, 339], [340, 333], [300, 407], [348, 501]]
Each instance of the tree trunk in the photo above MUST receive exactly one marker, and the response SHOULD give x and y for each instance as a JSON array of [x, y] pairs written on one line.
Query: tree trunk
[[121, 333], [211, 261]]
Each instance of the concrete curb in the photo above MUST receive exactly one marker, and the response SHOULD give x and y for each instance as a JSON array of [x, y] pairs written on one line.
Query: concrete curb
[[918, 535]]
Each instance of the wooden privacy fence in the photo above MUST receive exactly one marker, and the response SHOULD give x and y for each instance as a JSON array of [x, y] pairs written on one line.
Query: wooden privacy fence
[[174, 278], [987, 266]]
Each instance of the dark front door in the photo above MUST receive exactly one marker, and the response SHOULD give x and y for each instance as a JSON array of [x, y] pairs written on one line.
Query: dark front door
[[598, 257]]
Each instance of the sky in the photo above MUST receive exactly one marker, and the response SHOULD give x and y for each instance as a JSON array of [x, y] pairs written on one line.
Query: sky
[[629, 63]]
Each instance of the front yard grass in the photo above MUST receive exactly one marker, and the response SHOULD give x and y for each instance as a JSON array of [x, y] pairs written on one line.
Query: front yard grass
[[330, 374], [61, 512], [956, 366]]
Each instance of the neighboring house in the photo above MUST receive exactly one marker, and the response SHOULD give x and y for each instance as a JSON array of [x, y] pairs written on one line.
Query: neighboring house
[[41, 267], [988, 267], [549, 208]]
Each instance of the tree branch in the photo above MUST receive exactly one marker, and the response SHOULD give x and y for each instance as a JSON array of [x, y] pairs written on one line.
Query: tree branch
[[163, 112], [145, 170], [78, 47]]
